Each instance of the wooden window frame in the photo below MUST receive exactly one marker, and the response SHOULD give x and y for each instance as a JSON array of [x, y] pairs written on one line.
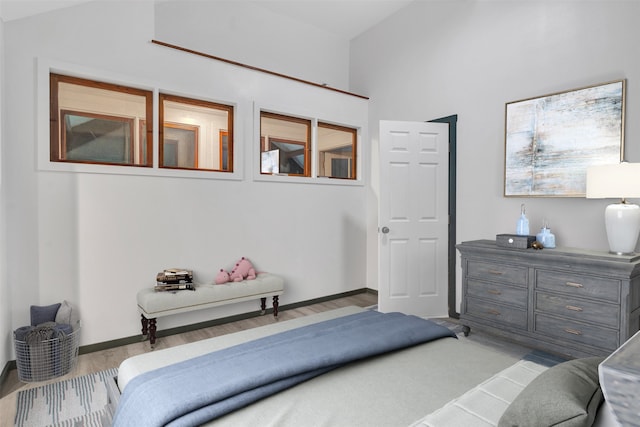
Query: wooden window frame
[[63, 133], [196, 138], [56, 135], [225, 148], [354, 144], [199, 103], [266, 144]]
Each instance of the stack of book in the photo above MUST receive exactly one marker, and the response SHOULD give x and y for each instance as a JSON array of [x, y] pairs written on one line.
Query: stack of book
[[174, 279]]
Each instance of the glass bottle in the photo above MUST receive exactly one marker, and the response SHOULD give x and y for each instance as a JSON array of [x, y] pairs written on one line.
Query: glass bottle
[[546, 237], [522, 227]]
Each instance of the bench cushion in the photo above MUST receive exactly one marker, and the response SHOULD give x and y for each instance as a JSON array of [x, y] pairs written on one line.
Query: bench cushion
[[154, 304]]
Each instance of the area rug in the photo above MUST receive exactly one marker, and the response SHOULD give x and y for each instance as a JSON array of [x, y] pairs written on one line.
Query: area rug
[[78, 401]]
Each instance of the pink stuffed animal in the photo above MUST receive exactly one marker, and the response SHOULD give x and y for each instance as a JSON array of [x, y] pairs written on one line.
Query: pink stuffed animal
[[243, 270], [222, 277]]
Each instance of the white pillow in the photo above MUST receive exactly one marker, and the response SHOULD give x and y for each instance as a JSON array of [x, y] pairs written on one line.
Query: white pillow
[[68, 315]]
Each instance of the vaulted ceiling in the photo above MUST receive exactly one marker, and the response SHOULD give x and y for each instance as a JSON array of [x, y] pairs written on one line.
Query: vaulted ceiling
[[345, 18]]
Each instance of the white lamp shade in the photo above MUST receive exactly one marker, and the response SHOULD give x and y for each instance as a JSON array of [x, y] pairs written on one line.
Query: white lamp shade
[[617, 181]]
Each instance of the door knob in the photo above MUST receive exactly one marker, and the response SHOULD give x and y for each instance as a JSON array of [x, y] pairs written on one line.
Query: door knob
[[385, 230]]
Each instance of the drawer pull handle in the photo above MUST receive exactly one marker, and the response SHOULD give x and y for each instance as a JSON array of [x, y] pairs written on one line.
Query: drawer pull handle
[[496, 272], [574, 284], [573, 308], [494, 292], [494, 312], [572, 331]]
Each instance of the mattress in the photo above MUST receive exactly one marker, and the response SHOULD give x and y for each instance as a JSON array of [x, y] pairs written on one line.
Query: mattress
[[393, 389]]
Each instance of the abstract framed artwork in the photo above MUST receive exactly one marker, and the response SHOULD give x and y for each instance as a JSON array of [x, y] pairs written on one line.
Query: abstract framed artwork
[[551, 140]]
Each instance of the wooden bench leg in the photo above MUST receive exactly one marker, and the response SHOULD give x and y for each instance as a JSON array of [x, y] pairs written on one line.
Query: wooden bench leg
[[145, 326], [263, 305], [275, 305], [152, 331]]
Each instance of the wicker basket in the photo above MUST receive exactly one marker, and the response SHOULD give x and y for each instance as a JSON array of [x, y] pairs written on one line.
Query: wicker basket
[[46, 359]]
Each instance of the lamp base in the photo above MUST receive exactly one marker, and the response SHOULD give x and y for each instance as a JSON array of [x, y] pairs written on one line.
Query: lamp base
[[622, 221]]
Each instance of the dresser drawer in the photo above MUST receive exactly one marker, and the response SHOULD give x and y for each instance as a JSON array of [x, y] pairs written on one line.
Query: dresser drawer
[[579, 285], [577, 309], [575, 302], [509, 316], [510, 295], [498, 272], [577, 332]]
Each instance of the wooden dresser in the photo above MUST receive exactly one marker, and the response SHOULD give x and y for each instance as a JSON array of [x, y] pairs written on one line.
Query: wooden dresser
[[568, 301]]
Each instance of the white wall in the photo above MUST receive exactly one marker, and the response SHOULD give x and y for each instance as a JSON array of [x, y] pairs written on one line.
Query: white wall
[[434, 59], [96, 239], [6, 342], [246, 32]]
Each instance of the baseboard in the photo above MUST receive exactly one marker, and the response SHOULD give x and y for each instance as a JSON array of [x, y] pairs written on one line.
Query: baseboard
[[11, 364]]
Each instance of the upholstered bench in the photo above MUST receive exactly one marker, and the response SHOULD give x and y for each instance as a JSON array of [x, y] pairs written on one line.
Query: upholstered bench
[[153, 304]]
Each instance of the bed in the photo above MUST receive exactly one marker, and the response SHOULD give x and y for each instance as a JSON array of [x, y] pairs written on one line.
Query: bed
[[399, 388]]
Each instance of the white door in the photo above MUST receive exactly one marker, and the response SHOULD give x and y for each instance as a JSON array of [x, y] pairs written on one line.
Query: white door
[[414, 218]]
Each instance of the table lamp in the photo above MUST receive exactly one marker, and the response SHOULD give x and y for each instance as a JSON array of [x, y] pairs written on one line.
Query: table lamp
[[622, 219]]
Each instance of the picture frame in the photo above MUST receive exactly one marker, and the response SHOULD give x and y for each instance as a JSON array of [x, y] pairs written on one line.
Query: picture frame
[[551, 140]]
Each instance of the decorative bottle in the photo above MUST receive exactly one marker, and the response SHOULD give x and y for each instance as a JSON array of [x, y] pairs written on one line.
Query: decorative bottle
[[546, 237], [522, 228]]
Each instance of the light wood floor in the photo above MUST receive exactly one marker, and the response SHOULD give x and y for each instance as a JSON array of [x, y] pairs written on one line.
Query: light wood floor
[[111, 358]]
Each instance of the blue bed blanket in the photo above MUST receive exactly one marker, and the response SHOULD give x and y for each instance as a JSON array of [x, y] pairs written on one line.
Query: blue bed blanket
[[204, 388]]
